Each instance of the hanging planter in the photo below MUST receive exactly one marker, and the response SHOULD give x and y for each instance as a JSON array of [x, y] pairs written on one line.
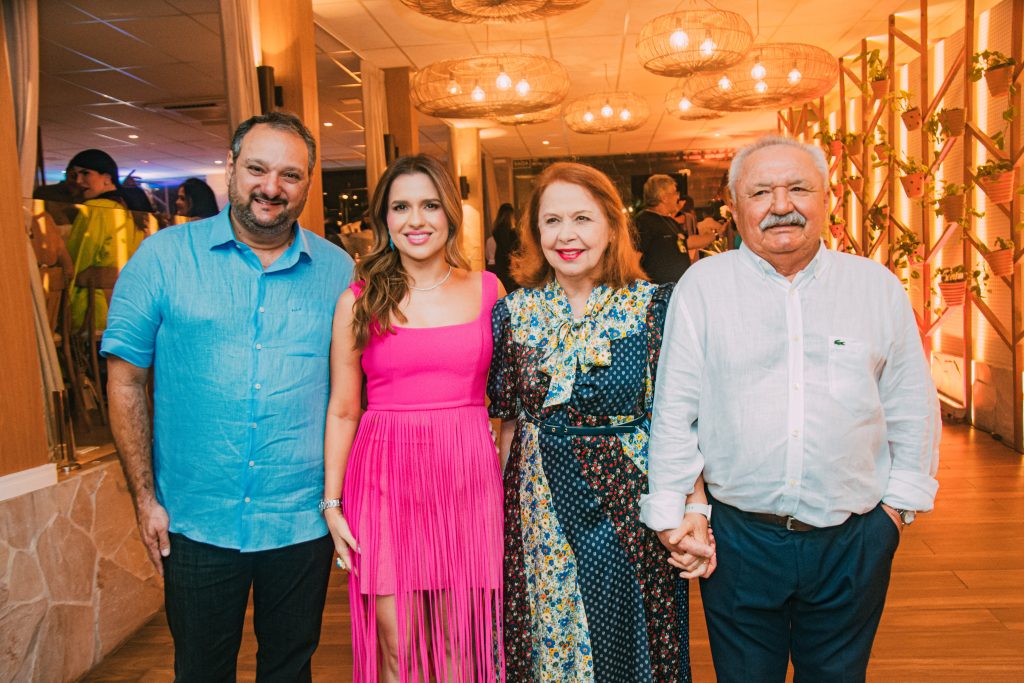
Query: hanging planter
[[835, 148], [997, 78], [953, 293], [952, 207], [880, 88], [854, 146], [837, 190], [1001, 261], [838, 230], [912, 118], [953, 121], [856, 183], [882, 151], [913, 184], [998, 185]]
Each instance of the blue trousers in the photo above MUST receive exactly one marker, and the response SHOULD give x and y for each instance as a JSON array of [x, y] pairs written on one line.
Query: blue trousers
[[816, 596], [206, 590]]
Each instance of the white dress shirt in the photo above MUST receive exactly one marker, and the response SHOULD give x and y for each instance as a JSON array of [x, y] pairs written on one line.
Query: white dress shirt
[[809, 398]]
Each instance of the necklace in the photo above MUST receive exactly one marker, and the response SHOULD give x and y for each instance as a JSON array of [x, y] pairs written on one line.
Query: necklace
[[436, 284]]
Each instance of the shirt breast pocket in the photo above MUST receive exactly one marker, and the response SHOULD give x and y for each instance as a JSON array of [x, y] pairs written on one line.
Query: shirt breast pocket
[[307, 329], [851, 376]]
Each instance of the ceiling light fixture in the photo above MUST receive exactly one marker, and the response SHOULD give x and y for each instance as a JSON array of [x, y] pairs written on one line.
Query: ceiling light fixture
[[540, 83], [667, 45], [533, 117], [620, 112], [492, 11], [133, 136], [679, 105], [327, 124]]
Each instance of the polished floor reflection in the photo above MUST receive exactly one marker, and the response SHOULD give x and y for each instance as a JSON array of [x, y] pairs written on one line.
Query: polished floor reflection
[[955, 610]]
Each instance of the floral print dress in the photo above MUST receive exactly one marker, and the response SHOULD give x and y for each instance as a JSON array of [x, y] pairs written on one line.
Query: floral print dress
[[589, 594]]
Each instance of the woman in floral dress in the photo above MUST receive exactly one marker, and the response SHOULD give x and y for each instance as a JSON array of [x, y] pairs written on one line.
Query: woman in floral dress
[[589, 591]]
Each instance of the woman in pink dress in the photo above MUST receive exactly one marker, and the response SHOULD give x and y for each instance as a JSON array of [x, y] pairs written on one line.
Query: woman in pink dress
[[412, 490]]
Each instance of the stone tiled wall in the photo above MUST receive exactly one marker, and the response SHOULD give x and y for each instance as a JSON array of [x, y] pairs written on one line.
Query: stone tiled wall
[[75, 580]]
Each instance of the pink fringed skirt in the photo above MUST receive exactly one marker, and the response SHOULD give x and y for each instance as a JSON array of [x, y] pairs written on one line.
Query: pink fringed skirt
[[423, 497]]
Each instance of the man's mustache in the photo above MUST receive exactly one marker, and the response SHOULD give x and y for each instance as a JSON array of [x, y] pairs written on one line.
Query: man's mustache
[[774, 220], [272, 200]]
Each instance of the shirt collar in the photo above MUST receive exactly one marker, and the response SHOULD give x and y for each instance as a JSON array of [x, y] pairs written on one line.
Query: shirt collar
[[221, 234], [816, 268]]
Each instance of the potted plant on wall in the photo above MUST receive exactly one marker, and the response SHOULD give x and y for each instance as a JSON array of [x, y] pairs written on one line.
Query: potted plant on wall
[[1000, 258], [877, 217], [910, 113], [914, 173], [854, 143], [996, 178], [954, 281], [833, 142], [855, 183], [997, 69], [907, 255], [878, 75], [950, 204], [945, 124], [837, 225]]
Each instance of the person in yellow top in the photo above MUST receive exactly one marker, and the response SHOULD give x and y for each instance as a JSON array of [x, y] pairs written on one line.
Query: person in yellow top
[[103, 236]]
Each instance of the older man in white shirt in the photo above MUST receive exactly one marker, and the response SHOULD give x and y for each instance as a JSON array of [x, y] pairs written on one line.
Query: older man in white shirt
[[793, 378]]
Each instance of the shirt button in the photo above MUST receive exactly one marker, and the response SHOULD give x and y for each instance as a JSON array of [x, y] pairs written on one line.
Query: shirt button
[[796, 387], [259, 346], [252, 463], [262, 310], [248, 499], [253, 425], [257, 386], [796, 433], [792, 483], [796, 337]]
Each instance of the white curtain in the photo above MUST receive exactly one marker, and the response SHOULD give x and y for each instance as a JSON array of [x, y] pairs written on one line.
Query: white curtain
[[21, 28], [375, 121], [240, 34], [21, 24]]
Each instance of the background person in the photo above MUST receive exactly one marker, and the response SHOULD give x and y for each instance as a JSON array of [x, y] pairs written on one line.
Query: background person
[[195, 200], [816, 428], [664, 247], [234, 314], [589, 593], [420, 525], [506, 243]]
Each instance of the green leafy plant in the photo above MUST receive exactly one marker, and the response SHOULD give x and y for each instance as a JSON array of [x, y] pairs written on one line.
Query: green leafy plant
[[985, 60], [878, 218], [993, 167], [910, 165], [975, 278], [1001, 243], [899, 100], [876, 66], [906, 252]]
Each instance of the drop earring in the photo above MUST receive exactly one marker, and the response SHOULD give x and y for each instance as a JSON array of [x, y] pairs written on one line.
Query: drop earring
[[391, 243]]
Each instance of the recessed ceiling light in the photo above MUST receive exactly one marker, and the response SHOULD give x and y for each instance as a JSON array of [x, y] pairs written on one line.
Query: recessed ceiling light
[[327, 124], [133, 136], [718, 135], [145, 161], [219, 162], [545, 142]]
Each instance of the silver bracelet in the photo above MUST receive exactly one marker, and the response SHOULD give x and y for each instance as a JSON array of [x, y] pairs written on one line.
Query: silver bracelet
[[328, 503]]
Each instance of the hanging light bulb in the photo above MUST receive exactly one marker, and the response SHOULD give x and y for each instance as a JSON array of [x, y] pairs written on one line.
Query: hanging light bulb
[[453, 85], [607, 110], [685, 104], [503, 81], [794, 76], [588, 116], [523, 87], [679, 40], [478, 93], [625, 115], [708, 47], [761, 87], [758, 72], [724, 83]]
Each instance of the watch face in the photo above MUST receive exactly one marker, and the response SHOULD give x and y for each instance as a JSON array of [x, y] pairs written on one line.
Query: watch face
[[907, 516]]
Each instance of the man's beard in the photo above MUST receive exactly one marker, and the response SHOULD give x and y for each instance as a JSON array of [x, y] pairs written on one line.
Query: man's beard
[[243, 213]]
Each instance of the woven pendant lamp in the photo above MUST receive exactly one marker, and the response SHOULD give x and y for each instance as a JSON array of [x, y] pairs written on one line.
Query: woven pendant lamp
[[697, 39], [492, 11], [541, 116], [607, 112], [679, 103], [489, 85], [771, 76]]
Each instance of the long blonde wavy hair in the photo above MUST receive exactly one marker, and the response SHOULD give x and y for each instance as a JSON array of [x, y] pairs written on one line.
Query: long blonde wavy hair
[[385, 282]]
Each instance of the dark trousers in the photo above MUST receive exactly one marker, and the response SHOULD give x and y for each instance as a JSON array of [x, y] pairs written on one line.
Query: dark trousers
[[814, 595], [206, 591]]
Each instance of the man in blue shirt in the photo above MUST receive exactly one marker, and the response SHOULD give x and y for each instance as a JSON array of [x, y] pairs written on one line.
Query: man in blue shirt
[[233, 313]]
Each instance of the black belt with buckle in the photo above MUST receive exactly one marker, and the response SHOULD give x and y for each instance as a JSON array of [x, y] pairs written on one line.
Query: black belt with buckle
[[790, 523], [598, 430]]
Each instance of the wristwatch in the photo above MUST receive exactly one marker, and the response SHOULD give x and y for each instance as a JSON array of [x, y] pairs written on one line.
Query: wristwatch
[[906, 516], [328, 503], [699, 508]]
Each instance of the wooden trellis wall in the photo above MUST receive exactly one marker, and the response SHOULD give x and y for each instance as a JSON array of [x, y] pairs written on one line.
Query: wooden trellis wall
[[868, 222]]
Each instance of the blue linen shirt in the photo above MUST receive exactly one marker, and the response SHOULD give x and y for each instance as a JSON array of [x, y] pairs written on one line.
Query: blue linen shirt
[[241, 378]]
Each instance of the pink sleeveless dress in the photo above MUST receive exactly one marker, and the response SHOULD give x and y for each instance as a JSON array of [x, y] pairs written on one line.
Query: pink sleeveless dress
[[423, 496]]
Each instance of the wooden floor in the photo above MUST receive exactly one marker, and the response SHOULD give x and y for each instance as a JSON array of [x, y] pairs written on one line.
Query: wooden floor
[[955, 610]]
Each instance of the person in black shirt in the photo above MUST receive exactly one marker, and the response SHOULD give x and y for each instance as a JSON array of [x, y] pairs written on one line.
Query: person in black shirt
[[661, 241]]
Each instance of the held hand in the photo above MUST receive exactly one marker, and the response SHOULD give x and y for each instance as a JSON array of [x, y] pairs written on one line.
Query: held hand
[[153, 525], [690, 546], [894, 516], [344, 542], [695, 566]]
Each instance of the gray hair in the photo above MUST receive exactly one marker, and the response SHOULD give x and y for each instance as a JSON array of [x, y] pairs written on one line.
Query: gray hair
[[278, 120], [815, 153], [656, 186]]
